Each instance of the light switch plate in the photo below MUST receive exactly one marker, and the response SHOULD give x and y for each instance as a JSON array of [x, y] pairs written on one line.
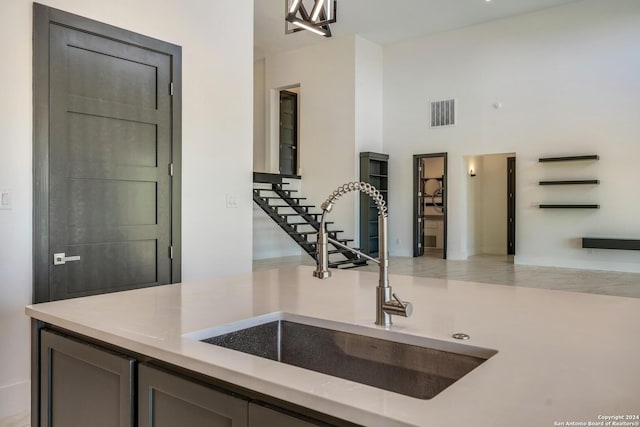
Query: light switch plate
[[5, 200], [232, 201]]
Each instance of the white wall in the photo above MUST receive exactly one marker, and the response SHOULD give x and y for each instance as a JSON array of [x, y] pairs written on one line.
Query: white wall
[[368, 108], [217, 41], [568, 79], [475, 212], [258, 117], [325, 73], [487, 205], [368, 96]]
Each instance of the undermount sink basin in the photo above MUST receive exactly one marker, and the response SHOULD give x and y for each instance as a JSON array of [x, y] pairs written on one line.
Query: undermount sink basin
[[405, 364]]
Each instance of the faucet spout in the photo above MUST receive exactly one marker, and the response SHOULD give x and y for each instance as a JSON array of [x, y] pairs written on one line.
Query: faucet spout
[[385, 306], [322, 251]]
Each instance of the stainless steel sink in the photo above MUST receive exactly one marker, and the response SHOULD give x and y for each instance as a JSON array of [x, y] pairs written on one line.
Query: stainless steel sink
[[418, 367]]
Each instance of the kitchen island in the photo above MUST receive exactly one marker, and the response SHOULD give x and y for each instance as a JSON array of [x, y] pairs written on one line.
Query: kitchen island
[[561, 357]]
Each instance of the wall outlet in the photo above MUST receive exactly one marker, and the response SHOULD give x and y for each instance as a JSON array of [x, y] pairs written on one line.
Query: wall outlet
[[232, 201], [5, 200]]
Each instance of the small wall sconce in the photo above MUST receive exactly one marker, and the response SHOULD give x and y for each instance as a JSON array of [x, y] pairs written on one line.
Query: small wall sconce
[[472, 173]]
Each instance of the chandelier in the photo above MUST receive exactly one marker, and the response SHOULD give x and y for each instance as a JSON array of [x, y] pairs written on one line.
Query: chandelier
[[316, 19]]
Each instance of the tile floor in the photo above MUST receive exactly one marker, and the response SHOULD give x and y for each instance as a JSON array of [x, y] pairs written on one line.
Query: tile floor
[[19, 420], [496, 269]]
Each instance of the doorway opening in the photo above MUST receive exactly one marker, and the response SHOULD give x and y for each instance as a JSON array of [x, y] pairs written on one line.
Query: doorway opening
[[430, 205], [491, 204], [288, 132]]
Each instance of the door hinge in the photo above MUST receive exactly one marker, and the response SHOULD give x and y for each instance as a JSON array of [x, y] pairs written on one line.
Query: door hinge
[[419, 220], [171, 252], [170, 169], [419, 245], [171, 88]]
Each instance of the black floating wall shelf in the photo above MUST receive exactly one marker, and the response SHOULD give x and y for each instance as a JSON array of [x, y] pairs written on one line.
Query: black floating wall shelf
[[571, 182], [568, 158], [569, 206], [622, 244]]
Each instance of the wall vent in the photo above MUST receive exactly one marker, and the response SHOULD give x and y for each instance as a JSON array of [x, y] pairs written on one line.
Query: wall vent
[[443, 113]]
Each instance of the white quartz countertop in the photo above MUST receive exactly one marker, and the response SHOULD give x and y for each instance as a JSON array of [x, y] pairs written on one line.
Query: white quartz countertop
[[562, 357]]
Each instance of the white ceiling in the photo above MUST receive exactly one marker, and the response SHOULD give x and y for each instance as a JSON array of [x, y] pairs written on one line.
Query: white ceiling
[[386, 21]]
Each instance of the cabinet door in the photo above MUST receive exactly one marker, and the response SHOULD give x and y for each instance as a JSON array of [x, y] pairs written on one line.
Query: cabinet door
[[83, 385], [259, 416], [169, 400]]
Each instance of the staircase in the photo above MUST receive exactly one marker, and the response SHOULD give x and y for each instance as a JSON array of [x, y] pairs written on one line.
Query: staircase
[[298, 219]]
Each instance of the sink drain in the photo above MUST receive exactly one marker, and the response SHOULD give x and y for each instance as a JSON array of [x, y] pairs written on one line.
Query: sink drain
[[461, 336]]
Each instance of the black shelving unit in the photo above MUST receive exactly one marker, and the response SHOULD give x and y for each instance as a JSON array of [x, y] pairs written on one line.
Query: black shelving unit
[[569, 206], [609, 243], [427, 198], [572, 182], [569, 158], [589, 157], [374, 169]]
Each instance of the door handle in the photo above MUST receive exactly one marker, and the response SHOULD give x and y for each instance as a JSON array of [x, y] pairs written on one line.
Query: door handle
[[60, 259]]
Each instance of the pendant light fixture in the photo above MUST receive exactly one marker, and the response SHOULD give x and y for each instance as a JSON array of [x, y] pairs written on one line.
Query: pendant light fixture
[[298, 18]]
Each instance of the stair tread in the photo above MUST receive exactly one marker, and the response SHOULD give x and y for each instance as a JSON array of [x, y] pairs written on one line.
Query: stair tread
[[340, 251], [306, 223], [272, 190], [350, 266], [346, 261]]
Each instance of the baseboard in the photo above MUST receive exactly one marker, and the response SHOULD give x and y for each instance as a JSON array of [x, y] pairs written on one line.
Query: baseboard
[[622, 267], [473, 251], [457, 255], [493, 250], [15, 401]]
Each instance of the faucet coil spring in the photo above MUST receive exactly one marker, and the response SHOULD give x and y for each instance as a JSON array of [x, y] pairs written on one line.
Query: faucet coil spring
[[363, 187]]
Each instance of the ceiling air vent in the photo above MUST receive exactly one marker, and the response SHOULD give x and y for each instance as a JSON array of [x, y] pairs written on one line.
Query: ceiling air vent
[[443, 113]]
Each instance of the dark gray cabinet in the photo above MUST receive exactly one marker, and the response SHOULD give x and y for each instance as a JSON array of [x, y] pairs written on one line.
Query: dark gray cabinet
[[168, 400], [82, 385], [374, 169], [260, 416]]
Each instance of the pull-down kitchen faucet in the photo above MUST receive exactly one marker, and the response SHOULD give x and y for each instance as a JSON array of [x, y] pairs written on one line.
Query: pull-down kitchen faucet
[[385, 304]]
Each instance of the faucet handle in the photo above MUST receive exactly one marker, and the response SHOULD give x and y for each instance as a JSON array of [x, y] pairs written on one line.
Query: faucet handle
[[398, 307], [395, 297]]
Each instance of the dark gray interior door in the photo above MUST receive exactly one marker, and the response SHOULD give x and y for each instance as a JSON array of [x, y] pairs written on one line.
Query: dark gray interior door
[[110, 166], [511, 205], [430, 205], [288, 133]]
